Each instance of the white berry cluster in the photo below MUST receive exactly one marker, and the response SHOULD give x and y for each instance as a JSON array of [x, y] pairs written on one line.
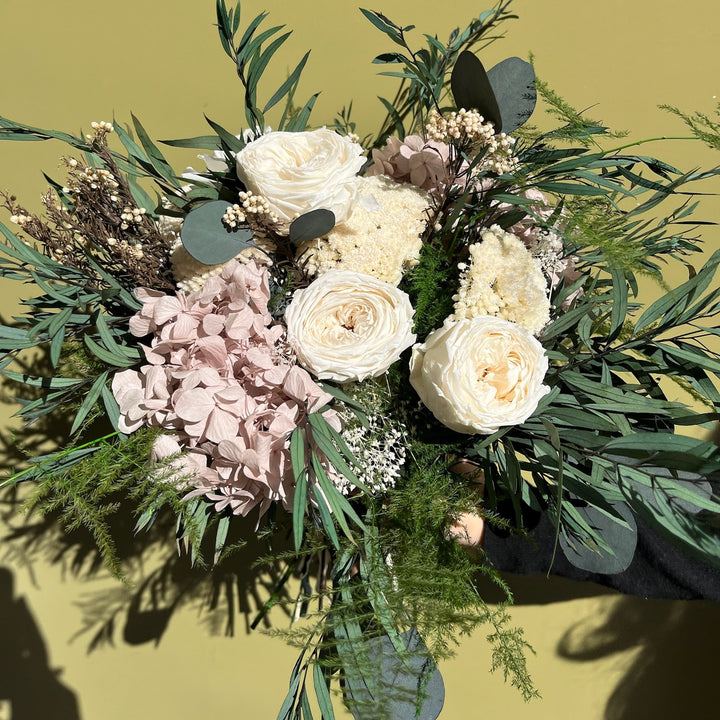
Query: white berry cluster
[[252, 209], [133, 250], [462, 125], [20, 220], [131, 216], [470, 126], [100, 129]]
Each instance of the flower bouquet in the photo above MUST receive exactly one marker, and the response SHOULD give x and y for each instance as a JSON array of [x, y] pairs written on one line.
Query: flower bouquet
[[369, 351]]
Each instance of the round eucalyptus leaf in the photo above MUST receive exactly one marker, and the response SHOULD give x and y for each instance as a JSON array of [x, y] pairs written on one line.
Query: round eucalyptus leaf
[[208, 239], [513, 82], [621, 539], [472, 90], [405, 687], [311, 225]]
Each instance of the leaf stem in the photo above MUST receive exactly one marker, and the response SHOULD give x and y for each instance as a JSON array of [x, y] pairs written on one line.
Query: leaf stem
[[647, 140]]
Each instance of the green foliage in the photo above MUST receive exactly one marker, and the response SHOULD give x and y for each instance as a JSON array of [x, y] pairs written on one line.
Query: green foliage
[[703, 126], [431, 285], [251, 56], [576, 127], [424, 73]]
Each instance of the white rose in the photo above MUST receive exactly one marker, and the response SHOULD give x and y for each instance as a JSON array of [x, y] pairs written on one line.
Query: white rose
[[349, 326], [301, 171], [478, 375]]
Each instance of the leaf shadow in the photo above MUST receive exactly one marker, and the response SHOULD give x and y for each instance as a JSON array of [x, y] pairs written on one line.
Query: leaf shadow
[[159, 579], [672, 675]]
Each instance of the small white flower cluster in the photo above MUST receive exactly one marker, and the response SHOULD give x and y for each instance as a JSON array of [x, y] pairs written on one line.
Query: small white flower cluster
[[547, 249], [470, 125], [86, 178], [499, 157], [381, 450], [20, 220], [131, 215], [504, 280], [101, 129], [382, 237], [462, 125], [134, 250], [254, 209]]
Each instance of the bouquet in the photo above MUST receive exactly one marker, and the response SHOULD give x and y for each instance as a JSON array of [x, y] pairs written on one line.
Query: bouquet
[[365, 351]]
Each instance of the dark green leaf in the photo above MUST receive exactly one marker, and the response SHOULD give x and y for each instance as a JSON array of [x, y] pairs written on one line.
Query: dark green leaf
[[472, 90], [287, 86], [233, 143], [201, 142], [311, 225]]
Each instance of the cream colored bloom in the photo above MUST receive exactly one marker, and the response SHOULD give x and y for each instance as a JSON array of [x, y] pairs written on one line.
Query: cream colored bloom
[[503, 279], [382, 237], [349, 326], [478, 375], [302, 171]]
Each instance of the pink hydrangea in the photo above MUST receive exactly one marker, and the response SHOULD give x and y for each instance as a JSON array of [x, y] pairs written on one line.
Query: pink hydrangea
[[222, 379], [424, 163]]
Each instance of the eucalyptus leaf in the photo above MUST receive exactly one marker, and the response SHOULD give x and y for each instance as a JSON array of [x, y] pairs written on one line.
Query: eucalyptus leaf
[[513, 83], [472, 90], [406, 687], [620, 538], [311, 225], [207, 239]]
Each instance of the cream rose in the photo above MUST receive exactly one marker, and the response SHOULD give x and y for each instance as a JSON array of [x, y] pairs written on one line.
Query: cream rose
[[349, 326], [478, 375], [301, 171]]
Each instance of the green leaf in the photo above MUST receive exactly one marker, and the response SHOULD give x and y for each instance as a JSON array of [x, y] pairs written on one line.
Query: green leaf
[[299, 122], [234, 144], [287, 86], [566, 188], [322, 693], [201, 142], [111, 407], [89, 401], [221, 536], [299, 466], [50, 383], [106, 356], [513, 84], [620, 538], [400, 686], [156, 157], [208, 239], [472, 90], [311, 225], [619, 308]]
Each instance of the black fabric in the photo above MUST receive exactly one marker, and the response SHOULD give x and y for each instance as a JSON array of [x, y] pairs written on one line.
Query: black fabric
[[658, 569]]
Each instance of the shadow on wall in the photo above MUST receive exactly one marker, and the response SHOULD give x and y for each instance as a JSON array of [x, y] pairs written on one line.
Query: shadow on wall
[[29, 688], [674, 676]]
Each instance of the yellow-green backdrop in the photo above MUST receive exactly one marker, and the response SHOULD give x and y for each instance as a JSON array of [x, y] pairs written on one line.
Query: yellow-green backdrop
[[65, 64]]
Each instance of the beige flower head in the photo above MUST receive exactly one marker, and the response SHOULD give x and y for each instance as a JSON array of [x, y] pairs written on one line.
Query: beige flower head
[[347, 326], [478, 375]]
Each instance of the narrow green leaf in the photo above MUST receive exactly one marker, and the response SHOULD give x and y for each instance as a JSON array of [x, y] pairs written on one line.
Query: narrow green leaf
[[221, 536], [89, 401], [322, 693], [286, 87]]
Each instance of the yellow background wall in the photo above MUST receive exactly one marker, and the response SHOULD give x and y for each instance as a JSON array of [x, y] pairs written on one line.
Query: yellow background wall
[[68, 63]]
